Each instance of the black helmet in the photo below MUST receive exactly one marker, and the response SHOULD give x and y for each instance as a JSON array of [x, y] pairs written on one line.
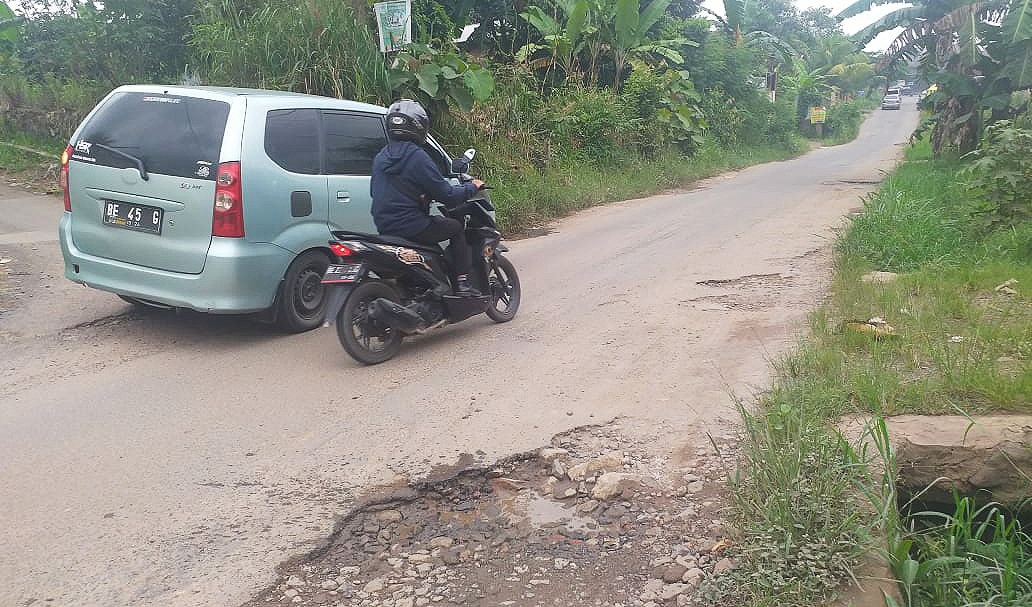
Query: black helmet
[[407, 121]]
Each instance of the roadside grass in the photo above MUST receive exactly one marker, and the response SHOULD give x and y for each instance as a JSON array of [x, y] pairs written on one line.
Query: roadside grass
[[974, 556], [527, 196], [806, 504], [30, 161]]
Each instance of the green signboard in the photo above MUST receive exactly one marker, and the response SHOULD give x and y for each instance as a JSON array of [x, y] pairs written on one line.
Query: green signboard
[[394, 24]]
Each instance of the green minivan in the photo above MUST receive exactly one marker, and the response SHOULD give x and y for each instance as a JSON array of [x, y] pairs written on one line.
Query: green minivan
[[216, 199]]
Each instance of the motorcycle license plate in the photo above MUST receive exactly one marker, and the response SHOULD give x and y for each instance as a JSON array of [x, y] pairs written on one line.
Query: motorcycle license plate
[[347, 272]]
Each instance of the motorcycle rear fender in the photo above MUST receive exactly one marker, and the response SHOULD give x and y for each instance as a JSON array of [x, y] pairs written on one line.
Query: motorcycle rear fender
[[336, 295]]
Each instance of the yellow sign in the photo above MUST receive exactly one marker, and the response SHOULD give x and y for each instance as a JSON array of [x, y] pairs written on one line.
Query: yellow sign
[[818, 114]]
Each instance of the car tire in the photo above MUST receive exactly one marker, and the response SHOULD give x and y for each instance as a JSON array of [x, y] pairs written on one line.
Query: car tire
[[301, 301]]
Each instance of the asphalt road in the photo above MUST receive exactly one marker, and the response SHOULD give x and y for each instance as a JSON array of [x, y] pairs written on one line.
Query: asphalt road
[[162, 459]]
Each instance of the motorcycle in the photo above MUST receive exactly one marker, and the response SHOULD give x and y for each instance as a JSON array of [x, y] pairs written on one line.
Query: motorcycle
[[384, 288]]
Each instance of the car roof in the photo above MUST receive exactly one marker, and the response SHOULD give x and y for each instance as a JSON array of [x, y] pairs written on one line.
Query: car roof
[[226, 91]]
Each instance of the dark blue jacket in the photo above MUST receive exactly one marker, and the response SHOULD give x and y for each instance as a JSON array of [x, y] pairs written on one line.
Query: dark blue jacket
[[401, 171]]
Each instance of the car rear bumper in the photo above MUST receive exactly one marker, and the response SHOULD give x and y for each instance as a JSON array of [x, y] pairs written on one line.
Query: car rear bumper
[[238, 276]]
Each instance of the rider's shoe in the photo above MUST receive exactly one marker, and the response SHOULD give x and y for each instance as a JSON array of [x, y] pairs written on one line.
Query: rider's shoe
[[463, 288]]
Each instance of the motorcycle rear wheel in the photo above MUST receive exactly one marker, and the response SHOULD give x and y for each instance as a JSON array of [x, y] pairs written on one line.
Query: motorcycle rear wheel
[[361, 337], [504, 288]]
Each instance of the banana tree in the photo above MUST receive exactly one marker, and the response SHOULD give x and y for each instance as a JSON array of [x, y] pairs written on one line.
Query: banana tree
[[562, 40], [809, 86], [735, 21], [628, 35]]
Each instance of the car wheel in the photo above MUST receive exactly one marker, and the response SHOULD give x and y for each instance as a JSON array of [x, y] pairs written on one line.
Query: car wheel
[[302, 298]]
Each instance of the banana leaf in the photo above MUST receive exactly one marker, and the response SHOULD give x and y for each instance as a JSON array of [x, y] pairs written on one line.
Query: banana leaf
[[1017, 25], [860, 7], [904, 17]]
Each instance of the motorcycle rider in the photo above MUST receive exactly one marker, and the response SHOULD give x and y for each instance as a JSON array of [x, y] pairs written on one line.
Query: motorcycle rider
[[405, 180]]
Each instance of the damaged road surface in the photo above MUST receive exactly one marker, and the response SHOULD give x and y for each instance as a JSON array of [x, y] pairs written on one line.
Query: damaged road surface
[[159, 459], [564, 526]]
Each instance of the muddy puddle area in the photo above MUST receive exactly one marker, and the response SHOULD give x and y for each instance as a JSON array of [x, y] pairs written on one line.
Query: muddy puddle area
[[589, 520]]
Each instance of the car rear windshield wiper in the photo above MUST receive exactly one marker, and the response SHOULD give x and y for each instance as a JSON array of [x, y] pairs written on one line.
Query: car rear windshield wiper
[[133, 159]]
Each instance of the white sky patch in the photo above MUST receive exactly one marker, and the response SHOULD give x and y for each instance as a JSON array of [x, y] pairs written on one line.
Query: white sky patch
[[849, 26]]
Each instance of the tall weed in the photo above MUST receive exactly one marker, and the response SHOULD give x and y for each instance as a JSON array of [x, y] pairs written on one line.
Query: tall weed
[[319, 47], [918, 217]]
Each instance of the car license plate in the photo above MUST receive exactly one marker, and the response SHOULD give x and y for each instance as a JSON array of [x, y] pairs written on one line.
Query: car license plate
[[348, 272], [137, 217]]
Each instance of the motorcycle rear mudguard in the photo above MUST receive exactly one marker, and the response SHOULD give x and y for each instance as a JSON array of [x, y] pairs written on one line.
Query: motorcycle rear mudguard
[[336, 295]]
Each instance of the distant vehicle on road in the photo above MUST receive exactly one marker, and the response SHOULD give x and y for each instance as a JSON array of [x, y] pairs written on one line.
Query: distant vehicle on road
[[891, 101]]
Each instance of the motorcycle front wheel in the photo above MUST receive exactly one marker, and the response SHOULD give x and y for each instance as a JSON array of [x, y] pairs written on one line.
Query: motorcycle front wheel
[[366, 340], [504, 288]]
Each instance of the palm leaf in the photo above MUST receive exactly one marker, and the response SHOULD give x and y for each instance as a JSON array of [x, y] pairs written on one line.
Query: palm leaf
[[1017, 25]]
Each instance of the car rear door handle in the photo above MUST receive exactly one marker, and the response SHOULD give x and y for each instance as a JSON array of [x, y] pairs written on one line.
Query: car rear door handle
[[343, 196]]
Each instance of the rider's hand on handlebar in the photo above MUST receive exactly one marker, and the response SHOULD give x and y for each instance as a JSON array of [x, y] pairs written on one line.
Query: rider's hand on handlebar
[[479, 183]]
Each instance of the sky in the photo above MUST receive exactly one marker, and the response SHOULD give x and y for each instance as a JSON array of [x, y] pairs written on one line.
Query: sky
[[849, 26]]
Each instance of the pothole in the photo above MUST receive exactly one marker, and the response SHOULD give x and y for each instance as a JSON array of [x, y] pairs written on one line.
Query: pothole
[[750, 279], [590, 520]]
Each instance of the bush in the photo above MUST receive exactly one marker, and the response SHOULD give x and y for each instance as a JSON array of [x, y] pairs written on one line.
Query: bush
[[1001, 175], [641, 97], [592, 123], [843, 121], [724, 119]]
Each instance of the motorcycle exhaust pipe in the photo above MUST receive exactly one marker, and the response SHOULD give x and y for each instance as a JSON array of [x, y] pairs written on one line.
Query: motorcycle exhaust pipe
[[396, 315]]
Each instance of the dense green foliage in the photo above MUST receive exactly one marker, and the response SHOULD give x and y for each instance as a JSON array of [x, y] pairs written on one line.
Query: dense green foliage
[[1001, 174]]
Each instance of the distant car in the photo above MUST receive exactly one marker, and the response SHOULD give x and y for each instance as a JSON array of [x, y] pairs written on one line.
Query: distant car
[[891, 102]]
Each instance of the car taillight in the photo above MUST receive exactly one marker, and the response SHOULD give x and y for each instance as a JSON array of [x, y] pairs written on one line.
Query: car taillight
[[340, 250], [64, 177], [228, 217]]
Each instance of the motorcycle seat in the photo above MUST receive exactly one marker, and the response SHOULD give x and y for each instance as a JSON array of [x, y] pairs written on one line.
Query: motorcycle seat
[[396, 241]]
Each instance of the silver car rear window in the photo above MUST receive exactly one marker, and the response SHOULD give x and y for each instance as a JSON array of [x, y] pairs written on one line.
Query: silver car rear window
[[171, 135]]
